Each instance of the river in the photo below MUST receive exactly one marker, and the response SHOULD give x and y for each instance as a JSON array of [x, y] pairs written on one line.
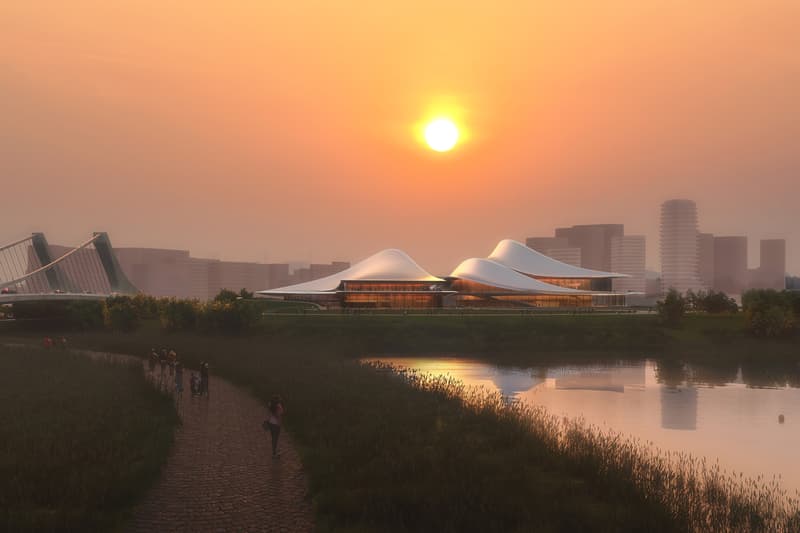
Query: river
[[746, 418]]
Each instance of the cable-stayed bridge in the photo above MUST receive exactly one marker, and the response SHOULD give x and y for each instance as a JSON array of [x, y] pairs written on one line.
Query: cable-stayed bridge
[[30, 271]]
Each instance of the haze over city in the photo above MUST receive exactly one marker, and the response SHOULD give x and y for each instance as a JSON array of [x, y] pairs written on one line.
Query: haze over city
[[288, 131]]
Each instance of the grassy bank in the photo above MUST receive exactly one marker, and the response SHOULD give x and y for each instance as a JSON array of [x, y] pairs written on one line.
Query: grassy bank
[[384, 456], [80, 440]]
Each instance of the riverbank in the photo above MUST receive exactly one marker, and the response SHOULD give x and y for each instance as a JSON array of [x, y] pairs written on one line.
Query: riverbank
[[384, 456], [81, 440]]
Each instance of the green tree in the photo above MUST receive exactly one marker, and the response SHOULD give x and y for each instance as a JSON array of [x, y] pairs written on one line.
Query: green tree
[[770, 313], [226, 295], [177, 315], [672, 308], [120, 314]]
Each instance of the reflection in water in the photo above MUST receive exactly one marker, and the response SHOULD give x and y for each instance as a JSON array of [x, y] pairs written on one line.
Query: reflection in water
[[678, 408], [511, 382], [741, 416]]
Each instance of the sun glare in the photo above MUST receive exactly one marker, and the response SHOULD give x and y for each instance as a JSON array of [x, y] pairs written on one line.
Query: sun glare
[[441, 134]]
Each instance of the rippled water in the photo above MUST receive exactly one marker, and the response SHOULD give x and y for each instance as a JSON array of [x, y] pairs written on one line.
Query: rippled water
[[747, 418]]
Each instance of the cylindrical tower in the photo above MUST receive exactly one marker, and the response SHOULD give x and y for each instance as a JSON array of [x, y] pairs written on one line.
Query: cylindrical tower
[[679, 253]]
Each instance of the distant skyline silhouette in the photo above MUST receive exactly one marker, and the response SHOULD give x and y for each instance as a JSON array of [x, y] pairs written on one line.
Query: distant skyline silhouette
[[285, 132]]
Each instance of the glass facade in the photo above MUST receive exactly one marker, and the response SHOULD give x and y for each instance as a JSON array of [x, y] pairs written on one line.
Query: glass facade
[[461, 293], [391, 300], [523, 300], [581, 284]]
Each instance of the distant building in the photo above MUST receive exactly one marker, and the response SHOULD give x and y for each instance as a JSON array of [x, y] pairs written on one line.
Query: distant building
[[317, 271], [540, 244], [164, 272], [730, 264], [771, 273], [556, 247], [628, 257], [679, 246], [594, 241], [705, 259]]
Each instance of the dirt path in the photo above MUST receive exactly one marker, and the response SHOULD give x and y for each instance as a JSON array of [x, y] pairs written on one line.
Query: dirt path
[[220, 475]]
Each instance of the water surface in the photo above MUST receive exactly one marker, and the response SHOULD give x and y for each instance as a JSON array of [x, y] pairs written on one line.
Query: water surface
[[730, 414]]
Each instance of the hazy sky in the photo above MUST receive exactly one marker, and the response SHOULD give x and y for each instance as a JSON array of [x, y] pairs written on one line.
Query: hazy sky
[[276, 131]]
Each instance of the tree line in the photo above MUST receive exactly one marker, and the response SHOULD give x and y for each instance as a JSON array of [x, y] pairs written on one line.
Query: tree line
[[768, 313], [229, 312]]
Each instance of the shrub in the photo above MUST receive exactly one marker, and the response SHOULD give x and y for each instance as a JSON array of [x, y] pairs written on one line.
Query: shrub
[[226, 296], [770, 313], [86, 314], [146, 306], [177, 315], [713, 302], [120, 314], [672, 308], [227, 317]]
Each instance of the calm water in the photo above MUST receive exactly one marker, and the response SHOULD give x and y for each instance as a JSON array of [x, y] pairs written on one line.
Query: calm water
[[730, 414]]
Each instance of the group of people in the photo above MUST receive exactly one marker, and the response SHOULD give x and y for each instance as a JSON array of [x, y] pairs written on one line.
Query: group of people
[[171, 371], [50, 343]]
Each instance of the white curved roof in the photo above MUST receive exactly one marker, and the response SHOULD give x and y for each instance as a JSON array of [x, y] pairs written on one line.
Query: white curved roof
[[519, 257], [387, 265], [489, 272]]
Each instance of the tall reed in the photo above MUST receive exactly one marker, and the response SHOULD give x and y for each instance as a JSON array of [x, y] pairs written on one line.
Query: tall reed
[[698, 495]]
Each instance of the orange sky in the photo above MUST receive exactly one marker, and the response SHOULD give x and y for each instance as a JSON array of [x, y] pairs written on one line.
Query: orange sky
[[284, 130]]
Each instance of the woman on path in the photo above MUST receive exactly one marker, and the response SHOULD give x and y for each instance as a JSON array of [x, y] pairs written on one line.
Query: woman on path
[[275, 417], [203, 378]]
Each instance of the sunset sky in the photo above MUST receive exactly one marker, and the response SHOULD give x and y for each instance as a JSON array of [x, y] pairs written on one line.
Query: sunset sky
[[275, 131]]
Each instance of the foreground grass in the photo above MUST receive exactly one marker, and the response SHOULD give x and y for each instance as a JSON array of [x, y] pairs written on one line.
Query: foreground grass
[[80, 440], [385, 456]]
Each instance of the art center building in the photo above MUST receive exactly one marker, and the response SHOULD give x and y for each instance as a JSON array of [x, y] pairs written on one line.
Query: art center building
[[513, 276]]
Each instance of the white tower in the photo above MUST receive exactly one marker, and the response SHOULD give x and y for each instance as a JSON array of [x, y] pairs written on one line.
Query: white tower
[[679, 246]]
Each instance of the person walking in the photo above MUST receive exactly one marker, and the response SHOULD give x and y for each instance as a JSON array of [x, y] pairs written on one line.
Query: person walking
[[172, 358], [151, 362], [203, 378], [162, 360], [178, 382], [274, 420]]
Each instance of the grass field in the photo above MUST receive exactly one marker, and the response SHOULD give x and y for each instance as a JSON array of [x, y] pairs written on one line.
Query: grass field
[[386, 456], [80, 440]]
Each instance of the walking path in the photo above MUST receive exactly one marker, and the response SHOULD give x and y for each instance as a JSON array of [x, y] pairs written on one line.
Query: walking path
[[220, 475]]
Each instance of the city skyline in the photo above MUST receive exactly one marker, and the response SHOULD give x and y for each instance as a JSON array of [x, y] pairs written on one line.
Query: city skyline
[[554, 244], [225, 130]]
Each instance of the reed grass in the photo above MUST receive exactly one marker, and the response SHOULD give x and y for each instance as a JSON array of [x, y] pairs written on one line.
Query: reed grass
[[80, 440], [698, 496]]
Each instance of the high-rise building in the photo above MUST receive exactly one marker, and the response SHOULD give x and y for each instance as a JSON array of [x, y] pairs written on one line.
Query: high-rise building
[[771, 273], [540, 244], [628, 257], [594, 241], [679, 250], [705, 259], [556, 247], [730, 264]]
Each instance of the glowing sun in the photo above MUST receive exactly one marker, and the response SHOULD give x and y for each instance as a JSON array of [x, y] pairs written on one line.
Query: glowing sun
[[441, 134]]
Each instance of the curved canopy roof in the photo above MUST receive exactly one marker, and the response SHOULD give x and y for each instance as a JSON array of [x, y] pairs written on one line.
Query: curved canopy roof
[[489, 272], [519, 257], [387, 265]]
